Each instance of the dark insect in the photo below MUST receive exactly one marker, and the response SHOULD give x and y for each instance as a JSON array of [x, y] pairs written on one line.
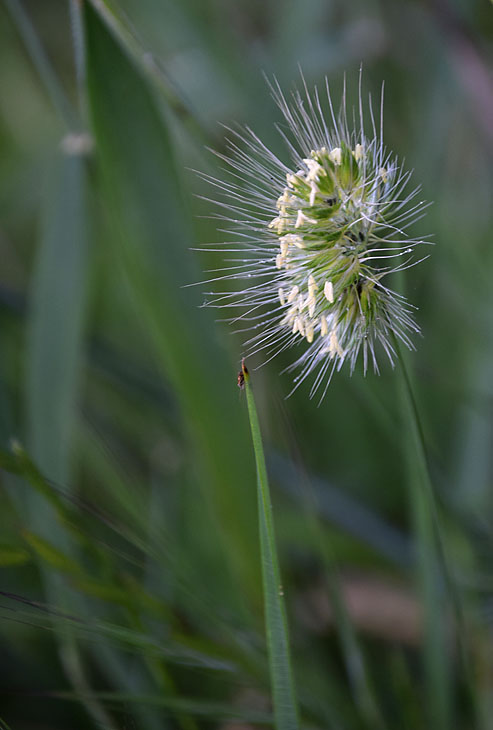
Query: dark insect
[[241, 375]]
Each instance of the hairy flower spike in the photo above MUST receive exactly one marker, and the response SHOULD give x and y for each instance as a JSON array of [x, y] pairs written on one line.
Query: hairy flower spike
[[318, 238]]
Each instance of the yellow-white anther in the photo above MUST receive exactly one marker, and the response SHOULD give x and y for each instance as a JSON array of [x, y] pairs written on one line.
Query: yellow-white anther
[[301, 219], [279, 260], [301, 326], [314, 169], [284, 247], [334, 346], [278, 224], [358, 152], [301, 302], [324, 328], [309, 332], [312, 285], [313, 193], [383, 174], [329, 291], [284, 199], [282, 298], [292, 238], [312, 303], [293, 294], [335, 156], [295, 325], [289, 317]]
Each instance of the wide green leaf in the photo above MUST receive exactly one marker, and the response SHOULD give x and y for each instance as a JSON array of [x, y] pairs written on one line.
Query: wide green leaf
[[56, 320], [150, 225]]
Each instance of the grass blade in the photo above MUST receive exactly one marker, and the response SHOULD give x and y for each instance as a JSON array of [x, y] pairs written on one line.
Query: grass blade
[[56, 325], [284, 698], [207, 709], [149, 224], [41, 62], [430, 565], [124, 33], [56, 334]]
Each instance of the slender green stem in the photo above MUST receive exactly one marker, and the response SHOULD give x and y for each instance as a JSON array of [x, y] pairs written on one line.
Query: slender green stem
[[281, 674]]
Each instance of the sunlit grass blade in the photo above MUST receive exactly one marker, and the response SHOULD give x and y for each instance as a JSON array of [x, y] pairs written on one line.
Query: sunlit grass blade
[[281, 674]]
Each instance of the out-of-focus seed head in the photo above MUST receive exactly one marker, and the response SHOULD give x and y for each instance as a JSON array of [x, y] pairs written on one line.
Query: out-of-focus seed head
[[318, 238]]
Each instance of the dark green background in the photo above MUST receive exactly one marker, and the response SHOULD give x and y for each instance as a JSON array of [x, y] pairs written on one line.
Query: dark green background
[[123, 390]]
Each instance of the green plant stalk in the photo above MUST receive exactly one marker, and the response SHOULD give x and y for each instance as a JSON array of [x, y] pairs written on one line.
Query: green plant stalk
[[430, 561], [281, 674]]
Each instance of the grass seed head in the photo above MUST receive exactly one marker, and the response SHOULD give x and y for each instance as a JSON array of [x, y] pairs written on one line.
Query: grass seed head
[[318, 238]]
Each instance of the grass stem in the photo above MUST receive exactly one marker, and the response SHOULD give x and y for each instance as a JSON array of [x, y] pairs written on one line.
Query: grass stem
[[281, 674]]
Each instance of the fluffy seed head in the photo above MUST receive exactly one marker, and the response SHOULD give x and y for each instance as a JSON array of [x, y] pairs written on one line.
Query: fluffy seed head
[[318, 238]]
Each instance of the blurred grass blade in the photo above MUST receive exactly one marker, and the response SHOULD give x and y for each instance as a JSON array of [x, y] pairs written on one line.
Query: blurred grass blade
[[53, 557], [13, 555], [55, 345], [118, 24], [354, 659], [150, 226], [41, 62], [207, 709], [106, 633], [339, 508], [65, 505], [284, 698], [436, 646], [56, 322]]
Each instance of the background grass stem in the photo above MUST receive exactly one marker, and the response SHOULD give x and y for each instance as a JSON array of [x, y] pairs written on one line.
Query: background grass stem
[[430, 563]]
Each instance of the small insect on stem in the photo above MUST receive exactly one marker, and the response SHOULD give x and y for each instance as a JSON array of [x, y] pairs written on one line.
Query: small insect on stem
[[242, 374]]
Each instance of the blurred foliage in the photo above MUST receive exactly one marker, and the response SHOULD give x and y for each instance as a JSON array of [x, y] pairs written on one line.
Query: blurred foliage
[[129, 550]]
